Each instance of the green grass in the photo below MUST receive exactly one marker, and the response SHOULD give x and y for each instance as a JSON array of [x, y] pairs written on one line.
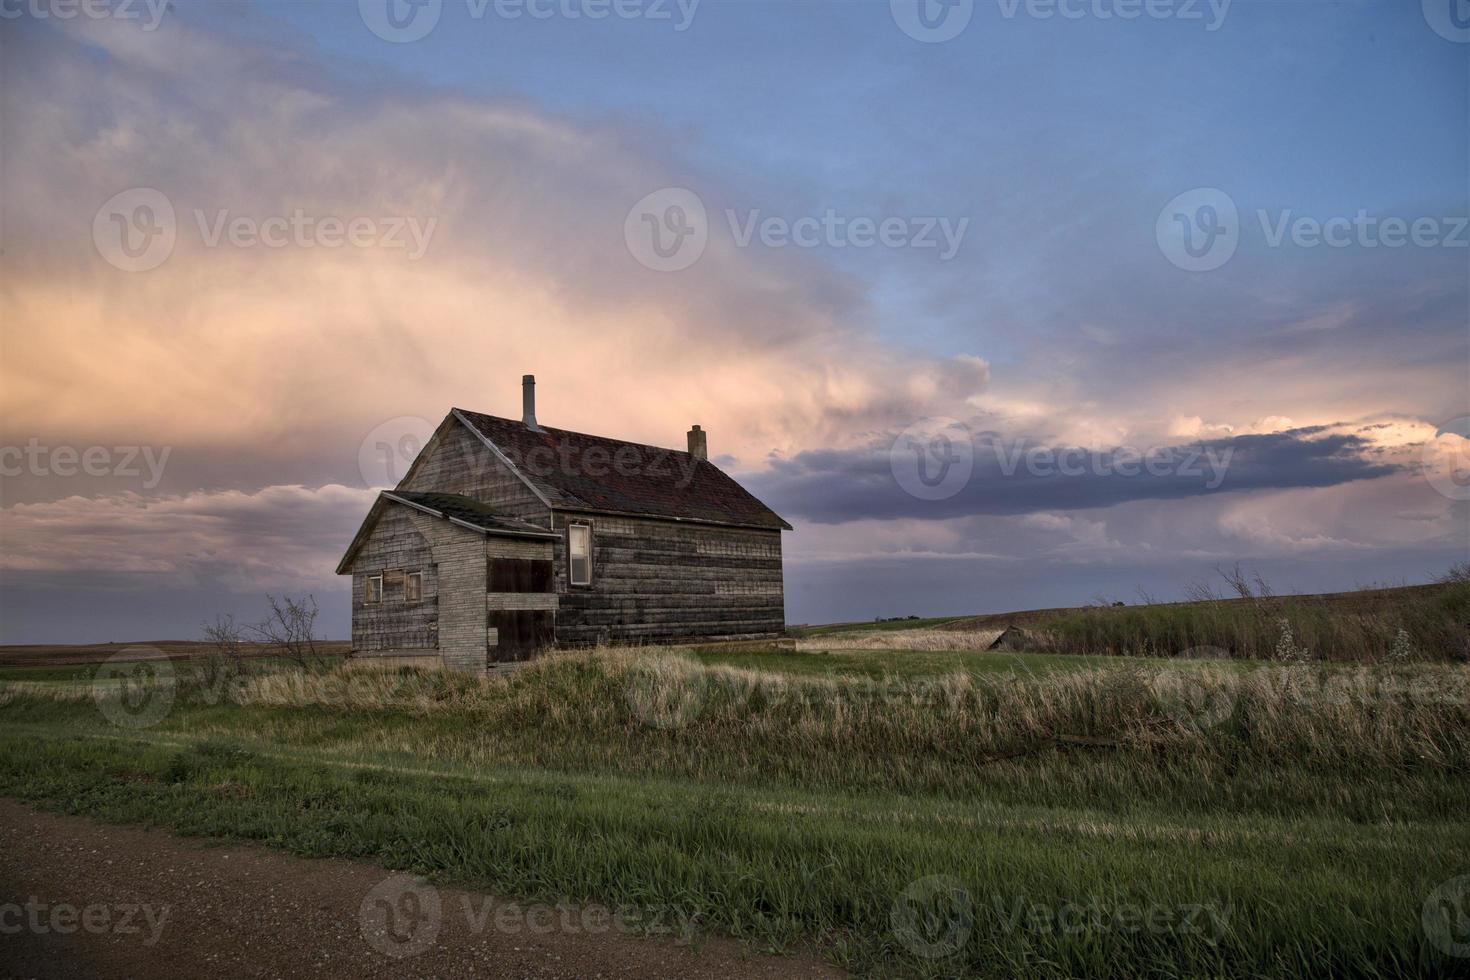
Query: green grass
[[85, 673], [806, 804], [1428, 622], [907, 663], [890, 624], [72, 673]]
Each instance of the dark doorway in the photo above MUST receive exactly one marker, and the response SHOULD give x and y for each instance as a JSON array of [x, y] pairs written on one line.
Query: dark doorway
[[520, 632]]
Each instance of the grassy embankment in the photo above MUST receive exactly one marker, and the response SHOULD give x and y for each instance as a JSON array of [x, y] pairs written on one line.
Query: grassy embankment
[[1270, 821], [1429, 622]]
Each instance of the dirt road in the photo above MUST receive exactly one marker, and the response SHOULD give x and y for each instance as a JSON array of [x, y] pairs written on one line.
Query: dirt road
[[79, 898]]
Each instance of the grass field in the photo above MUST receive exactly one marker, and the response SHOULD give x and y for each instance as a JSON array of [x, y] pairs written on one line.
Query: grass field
[[929, 813], [1424, 622]]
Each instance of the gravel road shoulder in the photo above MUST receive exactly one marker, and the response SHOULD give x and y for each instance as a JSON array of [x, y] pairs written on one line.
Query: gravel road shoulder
[[82, 898]]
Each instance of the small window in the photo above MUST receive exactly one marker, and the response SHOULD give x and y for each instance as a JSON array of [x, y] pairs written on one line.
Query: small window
[[413, 586], [374, 587], [579, 554]]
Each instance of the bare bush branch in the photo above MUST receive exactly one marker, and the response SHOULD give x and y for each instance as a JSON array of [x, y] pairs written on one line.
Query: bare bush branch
[[1200, 592], [290, 630], [1263, 588], [1235, 577], [1458, 572], [225, 637]]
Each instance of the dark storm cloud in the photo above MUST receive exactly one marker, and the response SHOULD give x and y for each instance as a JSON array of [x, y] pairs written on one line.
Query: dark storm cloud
[[832, 486]]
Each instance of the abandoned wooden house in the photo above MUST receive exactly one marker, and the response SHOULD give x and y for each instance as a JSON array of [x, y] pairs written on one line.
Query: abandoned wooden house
[[505, 536]]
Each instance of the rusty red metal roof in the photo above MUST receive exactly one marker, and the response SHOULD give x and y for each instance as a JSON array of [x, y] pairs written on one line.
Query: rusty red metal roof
[[577, 471]]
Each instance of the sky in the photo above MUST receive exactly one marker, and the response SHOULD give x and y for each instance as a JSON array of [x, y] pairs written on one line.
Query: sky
[[1000, 303]]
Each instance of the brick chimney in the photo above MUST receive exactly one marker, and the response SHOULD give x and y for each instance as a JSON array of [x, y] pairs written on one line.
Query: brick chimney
[[528, 402], [698, 448]]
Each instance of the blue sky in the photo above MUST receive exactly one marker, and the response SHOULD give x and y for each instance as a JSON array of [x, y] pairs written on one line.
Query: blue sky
[[1062, 318]]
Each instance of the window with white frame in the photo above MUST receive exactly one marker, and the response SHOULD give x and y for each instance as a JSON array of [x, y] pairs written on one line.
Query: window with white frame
[[413, 587], [579, 554], [373, 590]]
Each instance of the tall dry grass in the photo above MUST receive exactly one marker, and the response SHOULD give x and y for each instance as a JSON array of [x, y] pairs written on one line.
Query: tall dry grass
[[1300, 714], [1273, 733], [915, 639], [1424, 624]]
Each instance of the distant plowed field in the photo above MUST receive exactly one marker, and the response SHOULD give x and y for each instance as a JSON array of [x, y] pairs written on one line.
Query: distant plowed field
[[1363, 601], [61, 654]]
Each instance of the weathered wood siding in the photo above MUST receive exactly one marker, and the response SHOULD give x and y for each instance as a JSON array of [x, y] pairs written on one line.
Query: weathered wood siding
[[453, 618], [459, 462], [460, 554], [652, 579], [668, 580], [395, 624]]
